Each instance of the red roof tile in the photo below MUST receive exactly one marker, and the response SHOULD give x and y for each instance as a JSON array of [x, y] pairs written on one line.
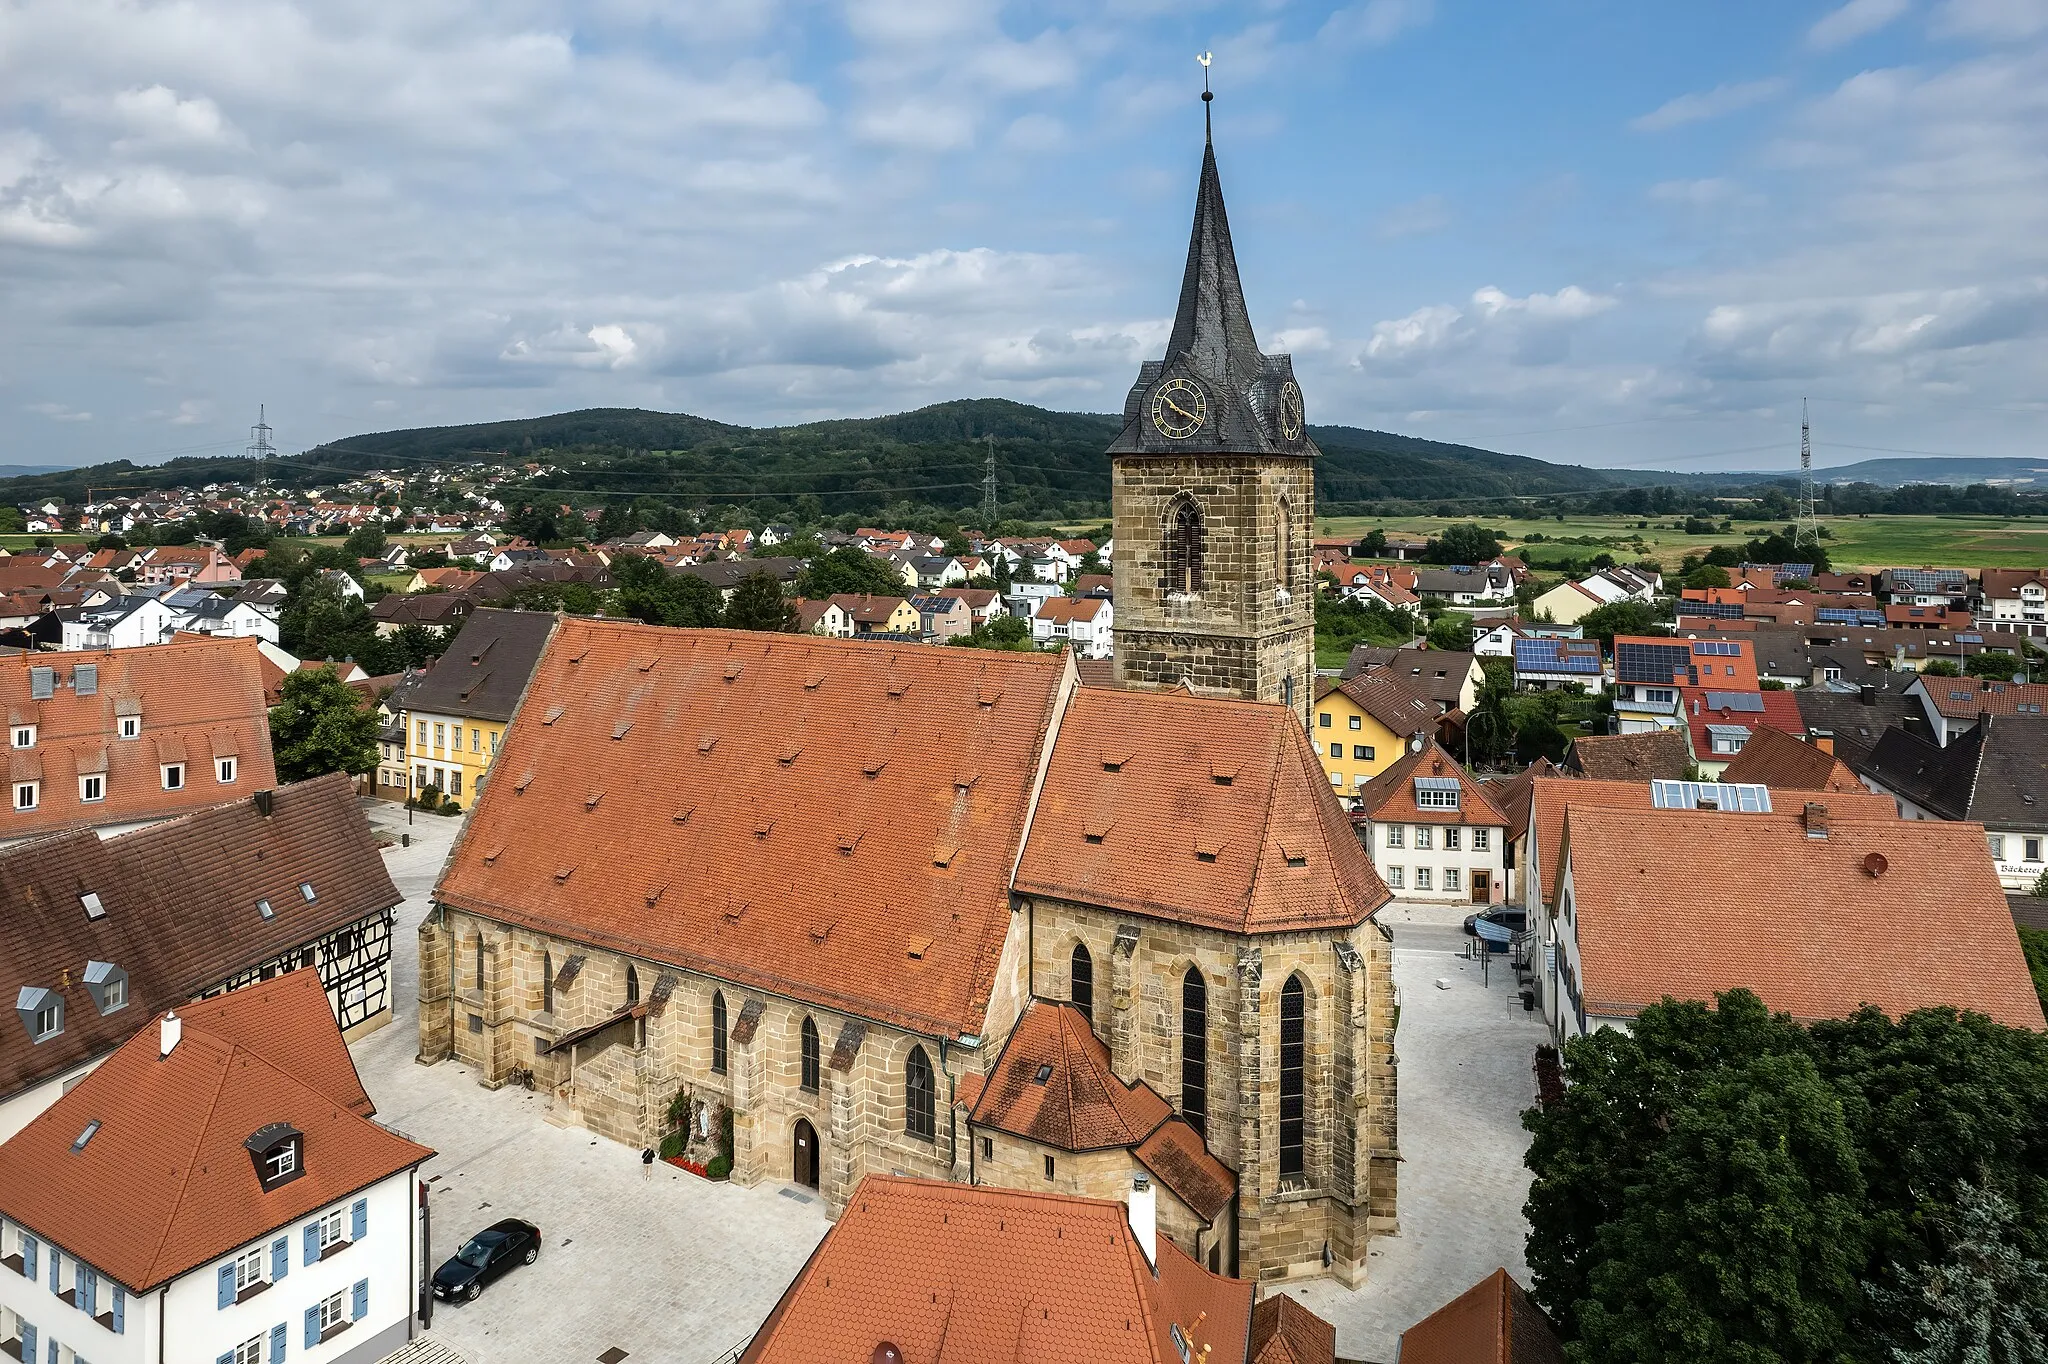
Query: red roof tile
[[1390, 796], [1493, 1322], [961, 1274], [166, 1184], [1630, 757], [1688, 903], [1209, 812], [1965, 698], [1775, 759], [1285, 1332]]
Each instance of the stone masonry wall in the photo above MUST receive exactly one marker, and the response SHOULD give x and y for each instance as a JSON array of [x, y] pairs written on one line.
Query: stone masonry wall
[[1008, 1161]]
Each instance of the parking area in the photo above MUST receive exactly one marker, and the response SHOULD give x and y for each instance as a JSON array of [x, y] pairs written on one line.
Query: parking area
[[1465, 1049], [670, 1268], [676, 1269]]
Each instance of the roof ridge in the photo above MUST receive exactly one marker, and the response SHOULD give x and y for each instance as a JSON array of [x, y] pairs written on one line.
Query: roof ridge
[[1251, 888]]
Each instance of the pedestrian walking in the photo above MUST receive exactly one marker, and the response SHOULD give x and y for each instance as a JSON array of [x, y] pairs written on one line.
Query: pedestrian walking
[[647, 1163]]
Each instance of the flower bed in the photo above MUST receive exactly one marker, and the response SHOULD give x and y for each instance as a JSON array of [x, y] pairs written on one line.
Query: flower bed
[[685, 1163]]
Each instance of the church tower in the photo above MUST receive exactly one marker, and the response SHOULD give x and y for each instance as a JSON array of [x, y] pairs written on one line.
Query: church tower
[[1213, 494]]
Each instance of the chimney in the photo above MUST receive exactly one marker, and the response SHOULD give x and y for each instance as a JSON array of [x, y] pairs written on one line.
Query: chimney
[[1144, 1215], [1816, 819], [262, 802], [1867, 693], [169, 1030]]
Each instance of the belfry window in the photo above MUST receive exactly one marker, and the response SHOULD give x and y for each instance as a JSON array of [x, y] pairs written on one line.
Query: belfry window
[[1194, 1050], [920, 1097], [1185, 538], [1293, 1038], [1083, 993]]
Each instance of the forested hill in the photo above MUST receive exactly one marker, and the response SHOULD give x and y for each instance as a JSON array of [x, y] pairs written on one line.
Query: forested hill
[[1049, 464]]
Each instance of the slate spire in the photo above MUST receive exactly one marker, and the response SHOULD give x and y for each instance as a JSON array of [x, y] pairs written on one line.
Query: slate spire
[[1211, 327]]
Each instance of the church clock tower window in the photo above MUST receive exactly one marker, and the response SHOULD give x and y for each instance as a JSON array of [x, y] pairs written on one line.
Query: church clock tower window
[[1184, 550]]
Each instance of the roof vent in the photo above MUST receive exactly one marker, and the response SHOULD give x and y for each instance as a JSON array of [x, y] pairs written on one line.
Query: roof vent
[[1875, 864], [263, 801], [171, 1028]]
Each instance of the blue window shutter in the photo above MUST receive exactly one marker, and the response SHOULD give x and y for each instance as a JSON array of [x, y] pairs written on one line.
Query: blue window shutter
[[360, 1306], [29, 1249], [120, 1310], [50, 1350], [359, 1220], [225, 1281], [56, 1268], [228, 1358], [28, 1341], [312, 1243], [312, 1327], [277, 1344], [280, 1258], [88, 1291]]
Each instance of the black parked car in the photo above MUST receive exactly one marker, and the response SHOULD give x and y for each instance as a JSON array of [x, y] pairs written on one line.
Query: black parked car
[[1502, 923], [485, 1256]]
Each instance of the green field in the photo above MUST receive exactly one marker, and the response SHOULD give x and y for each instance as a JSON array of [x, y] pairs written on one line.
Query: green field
[[1859, 541]]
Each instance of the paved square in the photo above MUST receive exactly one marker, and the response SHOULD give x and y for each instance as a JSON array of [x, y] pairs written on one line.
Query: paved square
[[676, 1270], [670, 1269]]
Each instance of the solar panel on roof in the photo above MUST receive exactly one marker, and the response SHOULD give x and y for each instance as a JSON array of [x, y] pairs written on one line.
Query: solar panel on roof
[[1969, 639], [1717, 610], [1836, 615], [1668, 794], [1735, 700], [1793, 571], [1650, 662], [1717, 648]]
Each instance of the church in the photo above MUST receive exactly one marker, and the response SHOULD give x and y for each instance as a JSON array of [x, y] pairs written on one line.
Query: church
[[823, 909]]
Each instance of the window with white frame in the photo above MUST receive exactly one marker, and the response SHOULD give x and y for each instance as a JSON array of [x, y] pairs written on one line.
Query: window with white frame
[[1452, 837], [92, 787], [1437, 798], [249, 1351], [131, 727], [440, 735], [24, 736], [49, 1018], [249, 1270], [1397, 835], [1450, 878], [1481, 838], [1422, 878], [333, 1312], [281, 1162], [331, 1230], [224, 770], [27, 794], [1997, 842], [114, 994], [1394, 878], [174, 776], [1425, 837], [2033, 846]]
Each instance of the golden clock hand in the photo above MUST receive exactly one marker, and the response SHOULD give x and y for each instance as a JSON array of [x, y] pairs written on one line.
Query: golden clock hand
[[1182, 410]]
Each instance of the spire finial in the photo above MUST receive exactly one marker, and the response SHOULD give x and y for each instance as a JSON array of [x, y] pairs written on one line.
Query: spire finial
[[1208, 133]]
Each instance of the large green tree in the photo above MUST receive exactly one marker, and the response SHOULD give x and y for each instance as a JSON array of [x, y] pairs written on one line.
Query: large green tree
[[321, 725], [758, 604], [647, 591], [1462, 544], [1621, 618], [852, 570]]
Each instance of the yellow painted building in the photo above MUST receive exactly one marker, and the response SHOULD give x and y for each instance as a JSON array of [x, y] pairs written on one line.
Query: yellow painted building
[[455, 717], [1362, 725]]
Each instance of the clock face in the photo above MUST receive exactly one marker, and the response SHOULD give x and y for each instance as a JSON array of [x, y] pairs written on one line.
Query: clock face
[[1290, 411], [1178, 409]]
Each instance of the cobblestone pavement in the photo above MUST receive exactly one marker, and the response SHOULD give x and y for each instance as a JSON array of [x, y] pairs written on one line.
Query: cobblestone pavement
[[1465, 1079], [672, 1269]]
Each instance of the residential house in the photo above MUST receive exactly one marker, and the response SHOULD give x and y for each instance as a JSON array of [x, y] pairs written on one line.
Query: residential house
[[1493, 1322], [456, 716], [228, 617], [1784, 762], [1368, 585], [1953, 705], [125, 737], [123, 623], [1640, 757], [214, 1191], [164, 564], [1085, 623], [1922, 889], [726, 574], [343, 582], [1115, 1292], [442, 579], [1948, 587], [434, 610], [2015, 599], [872, 615], [1994, 774], [1094, 585], [103, 931], [1433, 831], [983, 603], [1366, 722], [394, 768], [1649, 671], [1553, 664], [855, 892], [1568, 603], [1849, 724], [822, 618], [942, 617], [1466, 585], [1451, 679], [1720, 723], [505, 560], [1051, 1114]]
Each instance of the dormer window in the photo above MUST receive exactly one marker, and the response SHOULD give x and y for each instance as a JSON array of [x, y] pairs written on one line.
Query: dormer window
[[108, 986], [24, 736], [276, 1150], [224, 770], [131, 727], [41, 1012], [174, 776], [27, 795]]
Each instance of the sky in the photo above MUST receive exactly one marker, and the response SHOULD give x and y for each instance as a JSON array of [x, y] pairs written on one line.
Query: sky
[[1592, 231]]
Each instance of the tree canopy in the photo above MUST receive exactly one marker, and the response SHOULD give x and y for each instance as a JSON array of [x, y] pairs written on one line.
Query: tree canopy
[[1461, 544], [850, 570], [321, 725]]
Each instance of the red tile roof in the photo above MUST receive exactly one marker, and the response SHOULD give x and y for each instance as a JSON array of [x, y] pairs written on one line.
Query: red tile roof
[[1208, 812], [1390, 796], [961, 1274], [198, 698], [1081, 1105], [1630, 757], [1965, 698], [879, 809], [166, 1184], [1780, 712], [1493, 1322], [1399, 704], [1673, 902], [1775, 759], [1285, 1332]]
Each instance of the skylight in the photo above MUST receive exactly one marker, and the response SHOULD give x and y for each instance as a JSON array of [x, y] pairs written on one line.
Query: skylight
[[91, 1130], [263, 908], [93, 908]]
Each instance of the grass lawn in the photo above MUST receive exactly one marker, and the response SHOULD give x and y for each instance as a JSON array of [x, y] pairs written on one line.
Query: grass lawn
[[1859, 541]]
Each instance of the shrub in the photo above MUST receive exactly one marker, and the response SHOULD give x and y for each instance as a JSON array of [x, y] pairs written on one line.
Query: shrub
[[451, 807], [671, 1146], [719, 1168]]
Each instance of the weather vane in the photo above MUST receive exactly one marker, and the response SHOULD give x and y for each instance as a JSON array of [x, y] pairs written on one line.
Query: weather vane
[[1205, 58]]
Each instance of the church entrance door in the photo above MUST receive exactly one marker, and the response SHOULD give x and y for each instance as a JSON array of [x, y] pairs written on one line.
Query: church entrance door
[[806, 1154]]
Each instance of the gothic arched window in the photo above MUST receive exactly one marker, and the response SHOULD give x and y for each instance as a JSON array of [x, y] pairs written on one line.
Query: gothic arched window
[[632, 984], [1293, 1047], [718, 1033], [547, 983], [1185, 538], [810, 1049], [1083, 992], [1194, 1050], [479, 961], [1283, 548], [920, 1097]]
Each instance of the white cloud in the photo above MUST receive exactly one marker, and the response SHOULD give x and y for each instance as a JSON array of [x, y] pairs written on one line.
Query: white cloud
[[1714, 103], [1416, 218], [1854, 20], [58, 412], [1375, 23], [1998, 20]]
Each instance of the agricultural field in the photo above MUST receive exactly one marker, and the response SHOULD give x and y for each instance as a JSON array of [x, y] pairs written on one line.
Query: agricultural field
[[1859, 541]]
